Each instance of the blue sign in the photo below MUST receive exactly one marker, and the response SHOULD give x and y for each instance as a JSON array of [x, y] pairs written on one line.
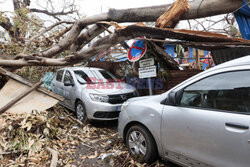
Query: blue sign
[[137, 50]]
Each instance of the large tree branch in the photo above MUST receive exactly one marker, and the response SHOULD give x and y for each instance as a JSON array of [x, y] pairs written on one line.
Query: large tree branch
[[87, 36], [72, 35], [198, 9]]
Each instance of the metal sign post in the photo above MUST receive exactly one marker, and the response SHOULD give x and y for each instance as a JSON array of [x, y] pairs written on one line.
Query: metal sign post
[[150, 87], [147, 70]]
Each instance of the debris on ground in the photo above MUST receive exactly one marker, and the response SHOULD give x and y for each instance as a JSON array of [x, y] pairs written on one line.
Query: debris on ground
[[26, 97], [30, 139]]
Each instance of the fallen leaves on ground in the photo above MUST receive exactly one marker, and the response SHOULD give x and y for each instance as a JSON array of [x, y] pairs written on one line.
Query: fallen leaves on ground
[[24, 139]]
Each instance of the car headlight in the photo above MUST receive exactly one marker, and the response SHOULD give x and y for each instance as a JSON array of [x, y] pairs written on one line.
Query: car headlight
[[100, 98], [124, 106]]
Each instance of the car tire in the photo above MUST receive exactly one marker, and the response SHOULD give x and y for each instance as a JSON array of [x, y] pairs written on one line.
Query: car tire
[[81, 112], [138, 144]]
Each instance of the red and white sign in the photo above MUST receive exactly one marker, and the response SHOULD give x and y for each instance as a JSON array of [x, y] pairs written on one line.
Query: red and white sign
[[137, 50]]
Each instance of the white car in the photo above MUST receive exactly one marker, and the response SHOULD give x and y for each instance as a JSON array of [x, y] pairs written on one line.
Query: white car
[[204, 121], [93, 93]]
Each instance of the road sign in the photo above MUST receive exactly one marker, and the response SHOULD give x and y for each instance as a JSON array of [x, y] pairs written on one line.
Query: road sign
[[147, 62], [147, 72], [137, 50]]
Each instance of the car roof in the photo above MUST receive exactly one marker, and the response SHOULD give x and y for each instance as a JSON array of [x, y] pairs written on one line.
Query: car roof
[[232, 63], [80, 68]]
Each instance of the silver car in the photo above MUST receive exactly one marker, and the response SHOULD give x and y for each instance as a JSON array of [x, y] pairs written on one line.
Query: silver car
[[204, 121], [93, 93]]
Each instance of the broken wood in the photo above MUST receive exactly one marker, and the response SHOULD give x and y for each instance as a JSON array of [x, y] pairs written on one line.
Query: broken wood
[[54, 159], [19, 97], [172, 16], [22, 80]]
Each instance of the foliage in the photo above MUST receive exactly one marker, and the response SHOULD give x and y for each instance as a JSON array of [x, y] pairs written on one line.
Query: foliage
[[3, 18], [24, 139]]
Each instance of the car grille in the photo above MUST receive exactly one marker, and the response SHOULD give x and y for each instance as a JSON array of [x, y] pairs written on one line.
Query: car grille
[[101, 114], [118, 99]]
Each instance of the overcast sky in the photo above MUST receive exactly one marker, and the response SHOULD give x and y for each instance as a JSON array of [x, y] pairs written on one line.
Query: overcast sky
[[92, 7]]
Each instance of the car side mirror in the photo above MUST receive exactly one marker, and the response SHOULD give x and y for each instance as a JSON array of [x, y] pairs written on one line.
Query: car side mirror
[[171, 100], [68, 83], [174, 98]]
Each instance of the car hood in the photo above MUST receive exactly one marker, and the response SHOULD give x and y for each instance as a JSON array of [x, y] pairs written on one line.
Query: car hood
[[109, 88], [147, 98]]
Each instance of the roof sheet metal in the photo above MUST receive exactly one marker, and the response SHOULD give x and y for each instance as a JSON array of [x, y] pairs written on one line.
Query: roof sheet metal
[[223, 55]]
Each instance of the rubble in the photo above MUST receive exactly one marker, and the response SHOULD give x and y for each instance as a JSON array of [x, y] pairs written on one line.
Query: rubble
[[25, 140]]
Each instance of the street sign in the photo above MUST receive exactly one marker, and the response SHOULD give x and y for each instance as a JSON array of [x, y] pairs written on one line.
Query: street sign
[[147, 62], [137, 50], [147, 72]]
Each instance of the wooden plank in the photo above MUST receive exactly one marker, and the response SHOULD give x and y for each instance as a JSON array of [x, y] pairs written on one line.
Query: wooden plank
[[22, 80], [19, 97]]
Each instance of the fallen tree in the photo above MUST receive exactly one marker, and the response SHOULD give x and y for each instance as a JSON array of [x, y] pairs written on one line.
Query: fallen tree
[[119, 36], [198, 9], [75, 40]]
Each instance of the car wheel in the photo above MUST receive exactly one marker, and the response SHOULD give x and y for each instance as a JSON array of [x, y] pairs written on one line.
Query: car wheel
[[141, 143], [81, 112]]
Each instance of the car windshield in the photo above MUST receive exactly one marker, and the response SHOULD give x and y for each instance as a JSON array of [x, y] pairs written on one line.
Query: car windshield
[[94, 76], [105, 76], [82, 77]]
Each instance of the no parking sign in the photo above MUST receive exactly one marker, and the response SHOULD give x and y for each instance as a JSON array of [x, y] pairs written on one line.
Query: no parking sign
[[137, 50]]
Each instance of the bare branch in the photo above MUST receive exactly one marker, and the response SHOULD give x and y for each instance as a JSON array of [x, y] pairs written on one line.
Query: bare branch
[[51, 13], [43, 32], [200, 23]]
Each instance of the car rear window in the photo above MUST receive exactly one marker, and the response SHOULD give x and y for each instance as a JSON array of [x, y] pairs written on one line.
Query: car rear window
[[59, 75]]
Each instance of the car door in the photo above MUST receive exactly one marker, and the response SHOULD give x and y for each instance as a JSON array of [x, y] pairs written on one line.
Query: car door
[[210, 124], [57, 84], [69, 91]]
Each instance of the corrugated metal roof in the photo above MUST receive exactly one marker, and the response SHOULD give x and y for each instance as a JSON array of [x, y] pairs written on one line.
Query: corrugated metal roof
[[223, 55]]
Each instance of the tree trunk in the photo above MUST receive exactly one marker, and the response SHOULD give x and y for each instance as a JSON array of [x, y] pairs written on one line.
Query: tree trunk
[[198, 9]]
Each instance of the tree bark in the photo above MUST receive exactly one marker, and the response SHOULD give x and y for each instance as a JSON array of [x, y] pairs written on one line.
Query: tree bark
[[198, 9], [87, 36]]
